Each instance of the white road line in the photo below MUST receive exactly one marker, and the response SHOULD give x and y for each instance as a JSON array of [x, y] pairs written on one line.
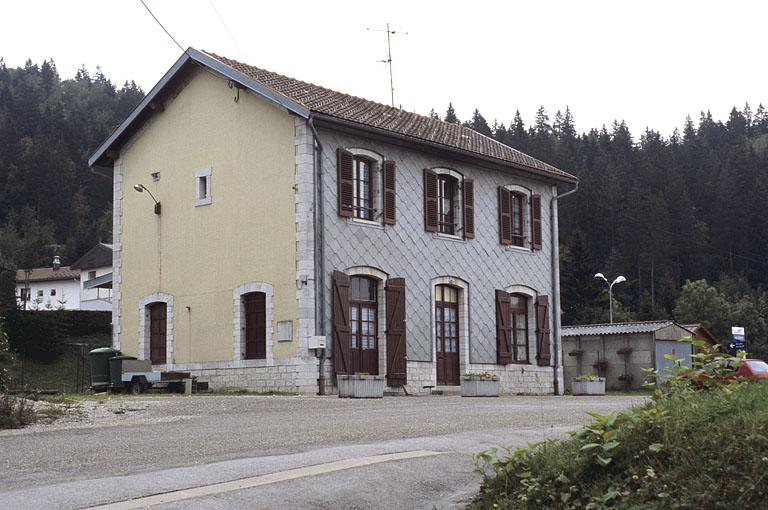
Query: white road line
[[256, 481]]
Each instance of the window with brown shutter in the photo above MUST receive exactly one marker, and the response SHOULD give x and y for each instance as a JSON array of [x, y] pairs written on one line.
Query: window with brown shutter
[[446, 204], [390, 195], [342, 328], [542, 331], [469, 209], [430, 200], [505, 216], [345, 182], [536, 221], [503, 329]]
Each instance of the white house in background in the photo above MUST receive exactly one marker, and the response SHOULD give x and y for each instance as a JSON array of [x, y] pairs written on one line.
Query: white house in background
[[85, 285], [48, 288], [95, 278]]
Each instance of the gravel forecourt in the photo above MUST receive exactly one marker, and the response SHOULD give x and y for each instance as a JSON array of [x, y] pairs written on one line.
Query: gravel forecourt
[[162, 443]]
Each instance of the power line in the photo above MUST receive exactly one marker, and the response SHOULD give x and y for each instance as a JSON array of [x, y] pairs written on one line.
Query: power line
[[161, 25], [229, 32]]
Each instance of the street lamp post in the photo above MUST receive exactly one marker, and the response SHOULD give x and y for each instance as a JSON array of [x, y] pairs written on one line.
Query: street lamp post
[[619, 279]]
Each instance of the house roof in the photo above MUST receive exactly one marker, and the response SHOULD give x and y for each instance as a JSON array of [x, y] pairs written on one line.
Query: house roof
[[306, 99], [47, 274], [700, 331], [98, 256], [617, 328]]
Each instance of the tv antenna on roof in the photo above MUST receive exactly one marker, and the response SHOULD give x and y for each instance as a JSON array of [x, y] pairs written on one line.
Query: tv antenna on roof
[[388, 60]]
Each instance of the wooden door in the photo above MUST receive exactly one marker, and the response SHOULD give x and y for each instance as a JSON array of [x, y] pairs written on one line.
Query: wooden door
[[254, 304], [396, 351], [447, 334], [157, 333]]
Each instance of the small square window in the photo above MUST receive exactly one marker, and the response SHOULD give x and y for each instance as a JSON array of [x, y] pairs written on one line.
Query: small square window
[[203, 186], [53, 292], [39, 293], [91, 275]]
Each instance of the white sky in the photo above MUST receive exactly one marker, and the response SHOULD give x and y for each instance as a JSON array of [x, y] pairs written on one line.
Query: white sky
[[649, 62]]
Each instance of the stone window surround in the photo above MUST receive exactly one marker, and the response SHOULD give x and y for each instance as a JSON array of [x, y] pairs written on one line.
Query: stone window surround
[[376, 186], [464, 337], [458, 204], [381, 283], [239, 323], [526, 192], [144, 326], [203, 173], [531, 294]]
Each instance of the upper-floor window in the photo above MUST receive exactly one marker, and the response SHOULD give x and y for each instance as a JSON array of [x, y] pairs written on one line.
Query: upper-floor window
[[449, 203], [366, 186], [362, 193], [519, 217], [446, 204], [53, 292], [91, 275]]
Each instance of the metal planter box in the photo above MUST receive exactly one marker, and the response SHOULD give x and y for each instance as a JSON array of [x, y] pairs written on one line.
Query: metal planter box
[[475, 386], [360, 386], [587, 387]]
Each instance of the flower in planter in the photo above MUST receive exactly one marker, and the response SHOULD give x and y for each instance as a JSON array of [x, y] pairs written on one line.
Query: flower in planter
[[487, 376], [588, 377]]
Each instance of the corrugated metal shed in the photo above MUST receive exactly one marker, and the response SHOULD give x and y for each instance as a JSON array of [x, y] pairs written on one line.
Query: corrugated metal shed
[[617, 328]]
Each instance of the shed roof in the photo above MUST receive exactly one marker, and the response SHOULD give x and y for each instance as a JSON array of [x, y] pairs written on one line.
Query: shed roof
[[305, 99], [617, 328]]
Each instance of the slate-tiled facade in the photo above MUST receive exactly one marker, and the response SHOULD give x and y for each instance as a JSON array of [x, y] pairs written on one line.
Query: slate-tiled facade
[[406, 250]]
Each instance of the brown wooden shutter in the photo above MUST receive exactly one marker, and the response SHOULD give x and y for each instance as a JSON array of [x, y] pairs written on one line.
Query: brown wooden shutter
[[342, 331], [469, 208], [396, 353], [536, 221], [345, 182], [503, 328], [542, 331], [390, 195], [430, 200], [505, 216]]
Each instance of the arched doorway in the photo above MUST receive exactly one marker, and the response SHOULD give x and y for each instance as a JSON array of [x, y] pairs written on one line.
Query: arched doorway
[[255, 311], [158, 323], [364, 324]]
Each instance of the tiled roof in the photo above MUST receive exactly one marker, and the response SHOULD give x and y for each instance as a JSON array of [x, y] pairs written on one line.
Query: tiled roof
[[47, 274], [394, 120], [620, 328]]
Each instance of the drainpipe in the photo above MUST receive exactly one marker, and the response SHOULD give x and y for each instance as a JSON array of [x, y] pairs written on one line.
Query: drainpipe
[[556, 282], [318, 217]]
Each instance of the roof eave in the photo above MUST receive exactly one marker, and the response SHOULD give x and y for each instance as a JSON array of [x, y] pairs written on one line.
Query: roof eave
[[454, 150], [99, 159]]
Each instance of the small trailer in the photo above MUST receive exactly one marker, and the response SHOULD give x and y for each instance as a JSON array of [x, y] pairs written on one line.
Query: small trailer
[[113, 372]]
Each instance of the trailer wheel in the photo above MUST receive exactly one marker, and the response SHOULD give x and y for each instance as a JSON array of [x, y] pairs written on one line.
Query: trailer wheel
[[137, 387]]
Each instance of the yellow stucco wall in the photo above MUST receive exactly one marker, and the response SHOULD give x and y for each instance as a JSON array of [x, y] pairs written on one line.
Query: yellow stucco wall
[[200, 254]]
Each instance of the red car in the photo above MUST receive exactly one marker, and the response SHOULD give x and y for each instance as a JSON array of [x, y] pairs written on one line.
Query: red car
[[750, 369]]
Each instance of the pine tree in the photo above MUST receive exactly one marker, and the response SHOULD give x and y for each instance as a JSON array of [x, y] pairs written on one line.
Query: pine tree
[[450, 115]]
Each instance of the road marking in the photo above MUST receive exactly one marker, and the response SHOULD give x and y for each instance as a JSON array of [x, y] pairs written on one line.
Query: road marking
[[256, 481]]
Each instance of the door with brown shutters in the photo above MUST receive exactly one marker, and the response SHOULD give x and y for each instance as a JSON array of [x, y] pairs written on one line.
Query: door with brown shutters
[[543, 353], [364, 322], [255, 306], [396, 353], [341, 333], [157, 333], [447, 334]]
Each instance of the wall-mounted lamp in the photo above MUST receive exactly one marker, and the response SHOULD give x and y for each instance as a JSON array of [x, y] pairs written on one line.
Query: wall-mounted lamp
[[141, 189]]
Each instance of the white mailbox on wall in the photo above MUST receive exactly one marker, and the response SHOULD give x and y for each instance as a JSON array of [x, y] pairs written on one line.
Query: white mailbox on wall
[[317, 342]]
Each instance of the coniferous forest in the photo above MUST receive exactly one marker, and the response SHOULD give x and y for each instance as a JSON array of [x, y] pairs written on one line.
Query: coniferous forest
[[683, 217]]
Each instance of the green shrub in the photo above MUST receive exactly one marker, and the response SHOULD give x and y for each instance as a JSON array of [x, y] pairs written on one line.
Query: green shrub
[[15, 412], [692, 446]]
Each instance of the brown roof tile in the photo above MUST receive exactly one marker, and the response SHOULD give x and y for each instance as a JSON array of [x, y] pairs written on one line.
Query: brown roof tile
[[394, 120], [47, 274]]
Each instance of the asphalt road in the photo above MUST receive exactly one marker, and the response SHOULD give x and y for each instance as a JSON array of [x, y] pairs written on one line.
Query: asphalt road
[[275, 452]]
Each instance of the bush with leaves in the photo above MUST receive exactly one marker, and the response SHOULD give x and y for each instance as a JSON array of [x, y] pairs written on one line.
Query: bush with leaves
[[690, 446]]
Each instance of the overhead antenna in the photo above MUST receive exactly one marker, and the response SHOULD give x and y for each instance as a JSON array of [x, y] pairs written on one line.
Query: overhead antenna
[[388, 60]]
